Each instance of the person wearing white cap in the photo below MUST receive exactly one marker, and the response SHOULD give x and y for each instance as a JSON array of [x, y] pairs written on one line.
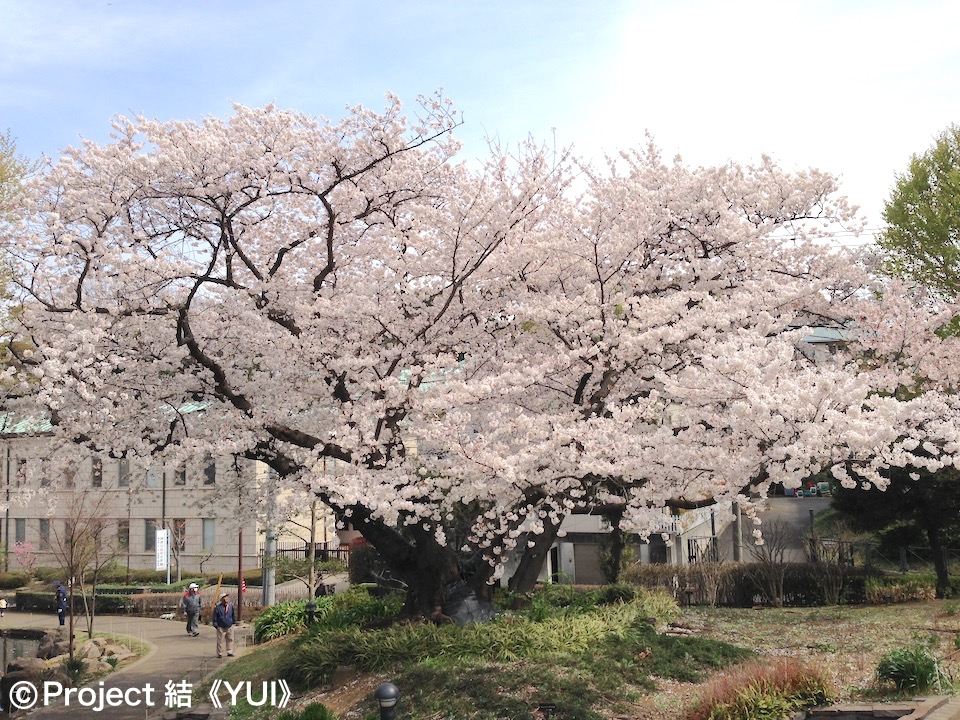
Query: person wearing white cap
[[223, 621], [190, 604]]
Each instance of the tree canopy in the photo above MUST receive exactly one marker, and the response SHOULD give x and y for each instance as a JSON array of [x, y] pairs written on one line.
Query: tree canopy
[[425, 344], [922, 238]]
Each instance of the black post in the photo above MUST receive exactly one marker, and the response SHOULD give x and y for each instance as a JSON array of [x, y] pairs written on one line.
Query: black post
[[387, 695], [311, 611]]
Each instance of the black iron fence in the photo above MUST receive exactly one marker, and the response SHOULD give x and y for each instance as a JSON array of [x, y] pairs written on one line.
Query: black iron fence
[[873, 555], [703, 549], [299, 550]]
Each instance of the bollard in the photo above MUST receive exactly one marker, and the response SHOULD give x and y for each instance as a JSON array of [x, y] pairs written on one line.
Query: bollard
[[387, 695]]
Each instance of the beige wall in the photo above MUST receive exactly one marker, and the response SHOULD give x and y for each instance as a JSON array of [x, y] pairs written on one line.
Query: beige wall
[[33, 498]]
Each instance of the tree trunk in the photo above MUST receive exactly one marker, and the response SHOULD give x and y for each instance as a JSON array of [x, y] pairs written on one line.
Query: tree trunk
[[423, 564], [617, 544], [939, 562], [531, 562]]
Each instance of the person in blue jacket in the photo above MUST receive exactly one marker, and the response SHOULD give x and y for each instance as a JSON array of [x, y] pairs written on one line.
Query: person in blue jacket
[[223, 621], [61, 602]]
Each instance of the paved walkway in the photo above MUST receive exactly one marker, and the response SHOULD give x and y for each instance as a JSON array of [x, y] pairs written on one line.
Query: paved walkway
[[173, 656]]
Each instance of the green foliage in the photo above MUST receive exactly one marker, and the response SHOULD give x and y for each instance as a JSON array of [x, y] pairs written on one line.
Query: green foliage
[[251, 577], [354, 607], [13, 580], [560, 599], [314, 711], [73, 668], [43, 601], [113, 572], [363, 560], [912, 670], [578, 635], [471, 690], [923, 218]]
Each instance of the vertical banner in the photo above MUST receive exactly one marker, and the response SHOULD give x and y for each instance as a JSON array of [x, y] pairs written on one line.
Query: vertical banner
[[163, 549]]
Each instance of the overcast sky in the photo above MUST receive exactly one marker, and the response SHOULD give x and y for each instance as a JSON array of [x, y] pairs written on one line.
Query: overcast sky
[[850, 87]]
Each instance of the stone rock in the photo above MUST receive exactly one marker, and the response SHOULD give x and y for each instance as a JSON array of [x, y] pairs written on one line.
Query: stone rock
[[96, 666], [34, 666], [89, 650], [7, 682], [49, 641], [115, 649]]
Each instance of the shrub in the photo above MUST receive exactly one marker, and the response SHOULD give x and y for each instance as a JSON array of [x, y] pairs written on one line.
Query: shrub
[[354, 607], [317, 711], [34, 601], [900, 589], [155, 603], [913, 670], [761, 691], [13, 580], [314, 711], [251, 577], [73, 668]]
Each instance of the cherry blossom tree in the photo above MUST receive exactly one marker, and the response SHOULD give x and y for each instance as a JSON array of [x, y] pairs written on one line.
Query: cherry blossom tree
[[326, 297]]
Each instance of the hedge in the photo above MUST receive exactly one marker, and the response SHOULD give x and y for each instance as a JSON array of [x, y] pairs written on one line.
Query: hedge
[[13, 580], [738, 584], [44, 601]]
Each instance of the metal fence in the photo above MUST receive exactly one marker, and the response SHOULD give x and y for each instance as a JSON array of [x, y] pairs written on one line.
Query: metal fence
[[703, 549], [872, 555], [299, 550]]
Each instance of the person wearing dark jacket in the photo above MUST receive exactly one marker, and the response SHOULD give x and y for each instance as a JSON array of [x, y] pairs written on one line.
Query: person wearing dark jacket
[[61, 601], [223, 621]]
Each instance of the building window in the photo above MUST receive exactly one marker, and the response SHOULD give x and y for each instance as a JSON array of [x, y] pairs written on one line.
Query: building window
[[179, 531], [123, 534], [209, 533], [20, 471], [180, 476], [123, 472], [153, 478], [149, 535], [44, 534], [20, 530], [210, 473], [96, 472]]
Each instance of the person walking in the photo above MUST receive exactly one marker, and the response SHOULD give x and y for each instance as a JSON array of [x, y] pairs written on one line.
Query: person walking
[[190, 604], [3, 606], [61, 602], [223, 621]]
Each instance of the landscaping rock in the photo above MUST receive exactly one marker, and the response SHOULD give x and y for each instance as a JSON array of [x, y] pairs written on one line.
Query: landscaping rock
[[96, 666], [34, 666], [89, 650], [8, 681]]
